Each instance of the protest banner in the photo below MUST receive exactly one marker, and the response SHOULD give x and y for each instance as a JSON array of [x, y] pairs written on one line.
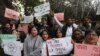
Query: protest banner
[[13, 48], [5, 37], [86, 50], [59, 16], [98, 10], [11, 14], [8, 37], [23, 28], [10, 45], [59, 46], [27, 19], [42, 9]]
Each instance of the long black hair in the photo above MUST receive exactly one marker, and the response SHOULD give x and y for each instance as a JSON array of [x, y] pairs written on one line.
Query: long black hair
[[30, 29], [43, 30], [82, 36], [92, 30], [60, 29]]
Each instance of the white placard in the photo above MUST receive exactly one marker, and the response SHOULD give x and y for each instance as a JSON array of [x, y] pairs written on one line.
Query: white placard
[[59, 46], [42, 9], [41, 13], [13, 48], [98, 10], [27, 19]]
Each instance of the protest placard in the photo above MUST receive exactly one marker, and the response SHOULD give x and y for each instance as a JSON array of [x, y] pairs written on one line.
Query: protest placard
[[23, 28], [98, 10], [11, 14], [59, 46], [8, 37], [59, 16], [10, 45], [42, 9], [13, 48], [86, 50], [27, 19]]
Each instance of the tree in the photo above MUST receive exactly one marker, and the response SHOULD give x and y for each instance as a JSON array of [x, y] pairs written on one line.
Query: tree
[[4, 4], [29, 5], [77, 8]]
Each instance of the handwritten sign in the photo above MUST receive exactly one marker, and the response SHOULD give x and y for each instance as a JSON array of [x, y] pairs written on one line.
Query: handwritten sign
[[59, 46], [59, 16], [11, 14], [27, 19], [42, 9], [6, 37], [13, 48], [86, 50], [10, 45]]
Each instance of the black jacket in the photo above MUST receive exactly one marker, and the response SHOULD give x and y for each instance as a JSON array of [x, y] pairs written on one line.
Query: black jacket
[[2, 52], [64, 29]]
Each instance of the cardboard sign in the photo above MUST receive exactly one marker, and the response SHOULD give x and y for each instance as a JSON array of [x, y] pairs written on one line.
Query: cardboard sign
[[23, 28], [59, 46], [59, 16], [42, 9], [8, 37], [10, 45], [86, 50], [11, 14], [27, 19], [98, 10], [13, 48], [41, 13]]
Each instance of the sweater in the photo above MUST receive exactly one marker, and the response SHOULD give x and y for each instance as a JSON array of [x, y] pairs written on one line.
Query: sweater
[[32, 46]]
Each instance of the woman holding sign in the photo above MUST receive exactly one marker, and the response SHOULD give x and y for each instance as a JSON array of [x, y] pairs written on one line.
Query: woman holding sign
[[46, 49], [32, 43], [1, 50], [45, 36]]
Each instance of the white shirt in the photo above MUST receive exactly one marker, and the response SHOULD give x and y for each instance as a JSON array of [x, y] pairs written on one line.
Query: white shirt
[[75, 25], [69, 31], [44, 52]]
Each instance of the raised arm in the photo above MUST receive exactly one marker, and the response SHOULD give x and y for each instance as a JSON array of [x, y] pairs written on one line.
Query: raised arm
[[57, 21]]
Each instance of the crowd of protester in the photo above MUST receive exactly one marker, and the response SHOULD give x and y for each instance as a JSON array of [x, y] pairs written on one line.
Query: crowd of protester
[[80, 31]]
